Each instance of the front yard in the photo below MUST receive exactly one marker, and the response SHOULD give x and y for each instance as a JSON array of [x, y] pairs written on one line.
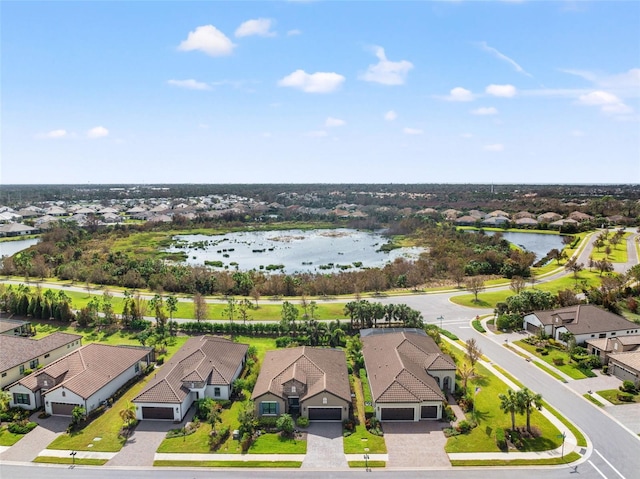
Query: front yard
[[558, 359], [612, 395]]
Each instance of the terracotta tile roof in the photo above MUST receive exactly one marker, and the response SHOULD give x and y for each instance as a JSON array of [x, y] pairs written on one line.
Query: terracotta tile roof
[[88, 369], [398, 363], [207, 359], [585, 319], [16, 350], [319, 369]]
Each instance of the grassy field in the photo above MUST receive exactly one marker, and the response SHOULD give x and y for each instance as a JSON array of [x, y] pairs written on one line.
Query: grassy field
[[618, 252], [569, 367], [489, 417]]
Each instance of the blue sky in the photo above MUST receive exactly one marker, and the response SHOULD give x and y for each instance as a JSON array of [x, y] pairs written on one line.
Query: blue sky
[[320, 91]]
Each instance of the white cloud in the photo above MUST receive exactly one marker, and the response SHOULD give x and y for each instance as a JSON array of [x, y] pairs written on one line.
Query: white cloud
[[294, 32], [412, 131], [608, 102], [97, 132], [390, 115], [485, 110], [505, 91], [493, 147], [505, 58], [259, 26], [627, 82], [207, 39], [331, 122], [320, 82], [316, 134], [55, 134], [385, 71], [189, 84], [460, 94]]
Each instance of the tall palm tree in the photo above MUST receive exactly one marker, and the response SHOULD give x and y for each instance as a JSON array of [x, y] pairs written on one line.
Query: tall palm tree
[[528, 400], [510, 403]]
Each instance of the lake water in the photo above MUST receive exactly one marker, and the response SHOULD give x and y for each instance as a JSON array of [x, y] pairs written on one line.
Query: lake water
[[296, 250], [9, 248], [540, 244]]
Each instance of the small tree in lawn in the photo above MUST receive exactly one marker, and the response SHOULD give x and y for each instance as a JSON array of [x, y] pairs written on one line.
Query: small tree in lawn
[[528, 400], [200, 307], [172, 305], [473, 352], [285, 425], [475, 285], [510, 404], [466, 372], [78, 414], [128, 415], [214, 417], [517, 284], [247, 419], [5, 401]]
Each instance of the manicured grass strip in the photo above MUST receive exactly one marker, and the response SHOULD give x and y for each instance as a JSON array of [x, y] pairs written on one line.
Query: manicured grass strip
[[508, 376], [611, 395], [553, 461], [589, 397], [368, 464], [478, 326], [360, 439], [69, 460], [8, 438], [580, 439], [262, 464], [549, 371]]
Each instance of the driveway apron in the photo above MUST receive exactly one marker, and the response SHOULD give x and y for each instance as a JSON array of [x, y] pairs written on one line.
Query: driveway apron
[[29, 447], [324, 446], [415, 444]]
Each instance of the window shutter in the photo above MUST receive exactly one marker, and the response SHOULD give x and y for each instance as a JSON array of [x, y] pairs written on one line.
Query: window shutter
[[261, 408], [277, 408]]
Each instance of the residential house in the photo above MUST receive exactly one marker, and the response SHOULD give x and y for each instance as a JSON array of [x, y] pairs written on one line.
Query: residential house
[[86, 377], [584, 321], [14, 327], [408, 374], [19, 354], [626, 366], [16, 229], [617, 344], [305, 381], [205, 366]]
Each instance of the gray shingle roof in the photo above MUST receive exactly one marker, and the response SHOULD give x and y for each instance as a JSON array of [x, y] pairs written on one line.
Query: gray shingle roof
[[16, 350], [397, 366], [210, 359], [585, 319]]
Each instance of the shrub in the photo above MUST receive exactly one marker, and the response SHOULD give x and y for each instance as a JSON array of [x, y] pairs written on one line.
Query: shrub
[[558, 361], [591, 362], [450, 432], [544, 352], [267, 422], [501, 440], [477, 325], [605, 369], [303, 422], [215, 440], [246, 441], [349, 425], [283, 341], [625, 397], [285, 424], [628, 387], [448, 414], [19, 428], [448, 334], [466, 426]]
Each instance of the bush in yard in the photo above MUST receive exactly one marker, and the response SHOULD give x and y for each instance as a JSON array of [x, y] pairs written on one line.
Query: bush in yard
[[303, 422], [501, 440], [267, 422], [625, 397], [21, 428], [592, 362], [466, 426], [215, 440], [448, 414], [558, 361], [285, 424], [544, 352], [349, 425], [246, 441], [628, 387]]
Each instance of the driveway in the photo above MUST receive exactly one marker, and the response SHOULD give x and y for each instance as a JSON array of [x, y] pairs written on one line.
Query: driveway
[[324, 446], [416, 444], [29, 447]]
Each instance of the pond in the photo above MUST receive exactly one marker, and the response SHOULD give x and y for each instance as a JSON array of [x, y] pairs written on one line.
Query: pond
[[538, 243], [290, 251], [9, 248]]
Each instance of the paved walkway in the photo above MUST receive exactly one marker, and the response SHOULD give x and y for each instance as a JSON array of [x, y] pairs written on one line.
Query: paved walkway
[[324, 446]]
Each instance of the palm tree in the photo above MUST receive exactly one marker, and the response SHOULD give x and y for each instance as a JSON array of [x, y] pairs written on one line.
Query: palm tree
[[128, 414], [510, 403], [528, 400], [5, 401], [465, 372]]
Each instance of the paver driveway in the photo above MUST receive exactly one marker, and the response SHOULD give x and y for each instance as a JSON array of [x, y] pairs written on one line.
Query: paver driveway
[[29, 447], [324, 446], [415, 444]]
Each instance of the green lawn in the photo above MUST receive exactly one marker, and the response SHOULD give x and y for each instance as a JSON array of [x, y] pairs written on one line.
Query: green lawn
[[8, 438], [69, 460], [611, 395], [554, 461], [589, 397], [251, 464], [275, 444], [489, 417], [618, 252], [361, 439], [569, 367], [360, 464]]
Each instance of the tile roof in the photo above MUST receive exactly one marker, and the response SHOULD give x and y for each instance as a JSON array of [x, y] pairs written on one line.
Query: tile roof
[[584, 319], [16, 350], [398, 364], [10, 324], [630, 359], [209, 359], [88, 369], [320, 369]]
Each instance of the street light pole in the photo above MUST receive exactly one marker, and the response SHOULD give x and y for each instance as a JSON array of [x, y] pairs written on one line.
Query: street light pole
[[440, 318]]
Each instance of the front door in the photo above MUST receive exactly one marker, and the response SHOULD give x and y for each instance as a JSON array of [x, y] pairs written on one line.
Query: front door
[[294, 405]]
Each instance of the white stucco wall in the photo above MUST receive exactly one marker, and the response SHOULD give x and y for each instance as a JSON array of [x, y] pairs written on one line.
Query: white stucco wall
[[57, 396], [224, 392], [35, 399]]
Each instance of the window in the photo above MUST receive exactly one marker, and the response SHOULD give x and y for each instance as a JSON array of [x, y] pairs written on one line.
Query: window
[[22, 369], [137, 368], [293, 389], [269, 408], [4, 375], [46, 355], [216, 391], [64, 393], [613, 334], [34, 364], [324, 400], [19, 398]]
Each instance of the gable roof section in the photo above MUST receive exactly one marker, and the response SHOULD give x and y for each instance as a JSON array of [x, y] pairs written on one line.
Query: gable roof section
[[320, 369], [398, 365], [208, 359], [629, 359], [16, 350], [585, 319], [89, 368]]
